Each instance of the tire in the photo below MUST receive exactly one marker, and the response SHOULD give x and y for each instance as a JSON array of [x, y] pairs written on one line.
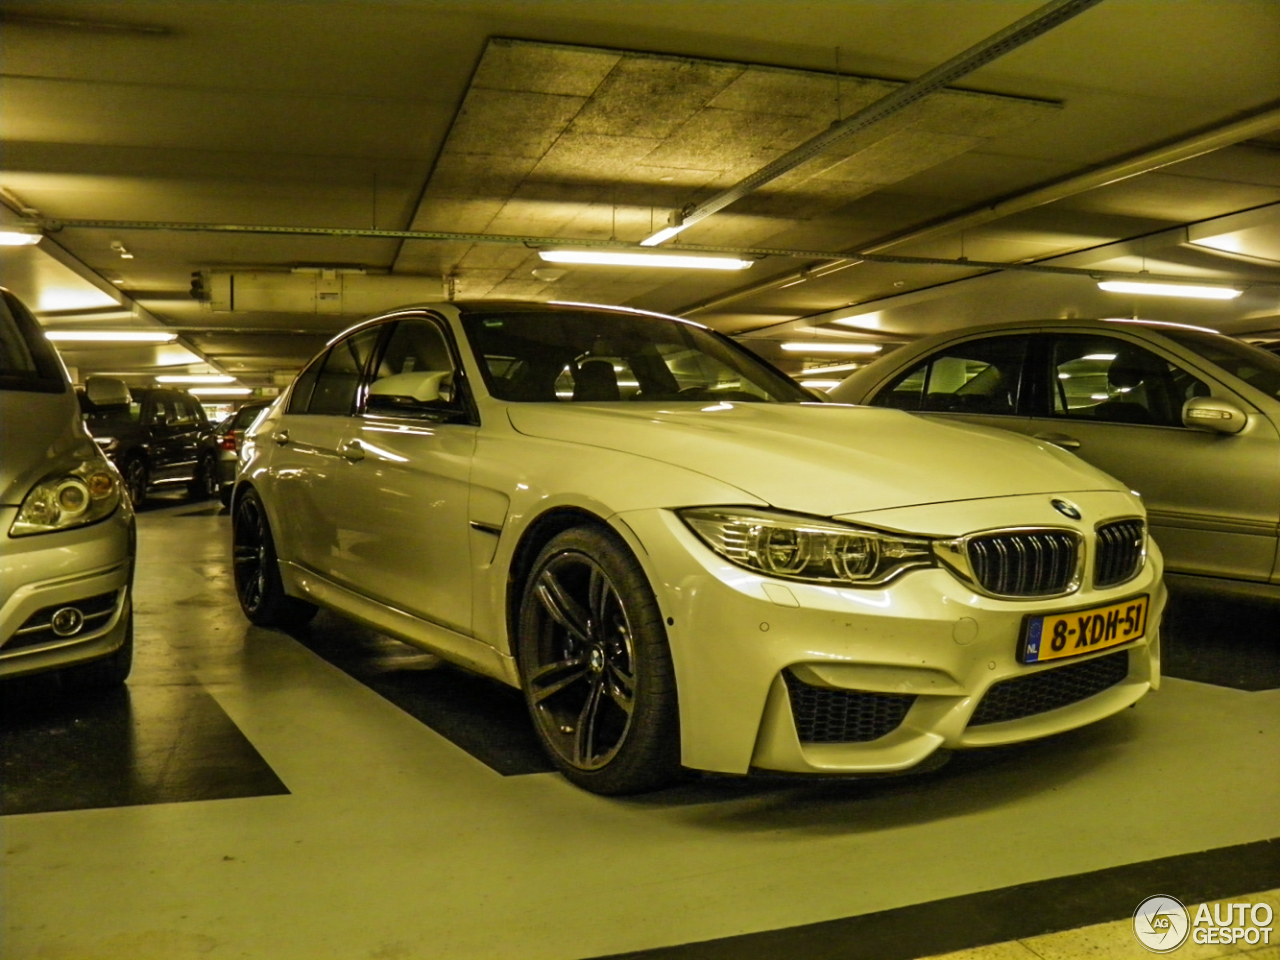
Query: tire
[[104, 673], [257, 570], [596, 668], [205, 484], [136, 480]]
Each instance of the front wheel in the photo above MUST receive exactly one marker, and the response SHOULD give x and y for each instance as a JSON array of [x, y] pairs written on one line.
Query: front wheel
[[257, 569], [136, 480], [595, 666]]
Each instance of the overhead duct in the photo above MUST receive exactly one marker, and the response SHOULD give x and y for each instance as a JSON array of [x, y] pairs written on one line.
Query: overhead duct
[[321, 291]]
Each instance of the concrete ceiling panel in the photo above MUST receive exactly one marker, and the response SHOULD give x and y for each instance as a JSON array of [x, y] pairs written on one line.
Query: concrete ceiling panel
[[543, 68], [652, 96], [900, 155], [510, 123], [456, 216], [598, 155], [823, 97], [470, 176]]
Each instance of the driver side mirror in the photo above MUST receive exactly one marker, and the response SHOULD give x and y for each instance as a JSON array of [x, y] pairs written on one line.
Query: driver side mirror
[[418, 391], [1213, 413]]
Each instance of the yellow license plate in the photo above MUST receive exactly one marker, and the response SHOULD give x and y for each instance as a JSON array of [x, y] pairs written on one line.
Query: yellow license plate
[[1083, 631]]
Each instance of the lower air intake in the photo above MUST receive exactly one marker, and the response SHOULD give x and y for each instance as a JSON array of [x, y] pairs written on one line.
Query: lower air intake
[[1050, 689], [824, 715]]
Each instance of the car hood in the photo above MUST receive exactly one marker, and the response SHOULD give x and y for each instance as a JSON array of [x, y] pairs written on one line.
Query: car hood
[[820, 459], [39, 433]]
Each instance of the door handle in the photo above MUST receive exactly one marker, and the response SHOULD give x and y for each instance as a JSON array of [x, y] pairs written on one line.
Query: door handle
[[281, 437], [1060, 440], [352, 450]]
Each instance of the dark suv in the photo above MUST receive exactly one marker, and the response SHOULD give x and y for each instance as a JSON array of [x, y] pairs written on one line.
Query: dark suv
[[158, 438]]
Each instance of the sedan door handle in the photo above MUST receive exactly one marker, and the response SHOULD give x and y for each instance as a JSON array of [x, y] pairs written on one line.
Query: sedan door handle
[[352, 450], [1060, 440], [281, 437]]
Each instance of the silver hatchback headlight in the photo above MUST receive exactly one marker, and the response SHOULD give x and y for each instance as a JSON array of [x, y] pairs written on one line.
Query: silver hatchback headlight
[[84, 494], [795, 547]]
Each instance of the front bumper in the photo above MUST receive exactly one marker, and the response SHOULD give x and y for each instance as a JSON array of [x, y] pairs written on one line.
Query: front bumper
[[930, 646], [89, 569]]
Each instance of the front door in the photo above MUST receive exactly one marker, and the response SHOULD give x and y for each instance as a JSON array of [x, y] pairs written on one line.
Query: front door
[[1212, 499]]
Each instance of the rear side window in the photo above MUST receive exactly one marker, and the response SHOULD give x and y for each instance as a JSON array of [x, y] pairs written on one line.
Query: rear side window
[[27, 360], [978, 377], [338, 379]]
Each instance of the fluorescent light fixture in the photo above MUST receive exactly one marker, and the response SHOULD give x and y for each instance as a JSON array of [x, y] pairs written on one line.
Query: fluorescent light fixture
[[619, 258], [220, 391], [820, 384], [666, 233], [20, 236], [195, 378], [1098, 356], [111, 336], [1169, 289], [868, 321], [810, 346]]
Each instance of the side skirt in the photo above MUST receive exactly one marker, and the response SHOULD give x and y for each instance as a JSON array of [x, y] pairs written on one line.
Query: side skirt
[[462, 650]]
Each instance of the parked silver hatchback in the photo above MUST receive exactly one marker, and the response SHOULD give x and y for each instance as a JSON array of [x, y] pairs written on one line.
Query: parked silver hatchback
[[66, 567]]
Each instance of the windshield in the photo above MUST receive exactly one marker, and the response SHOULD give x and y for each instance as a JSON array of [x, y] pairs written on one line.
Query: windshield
[[27, 359], [595, 356], [1253, 365]]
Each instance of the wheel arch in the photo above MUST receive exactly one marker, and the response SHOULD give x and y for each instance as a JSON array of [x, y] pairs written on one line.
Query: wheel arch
[[537, 535]]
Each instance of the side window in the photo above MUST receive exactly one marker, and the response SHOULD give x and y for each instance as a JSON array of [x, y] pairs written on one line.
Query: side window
[[1102, 378], [977, 377], [162, 413], [339, 378], [415, 367], [183, 414], [194, 410], [300, 395]]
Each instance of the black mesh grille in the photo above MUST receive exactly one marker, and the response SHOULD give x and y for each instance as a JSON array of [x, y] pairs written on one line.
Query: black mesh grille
[[824, 715], [1025, 564], [1040, 692], [1119, 552], [38, 628]]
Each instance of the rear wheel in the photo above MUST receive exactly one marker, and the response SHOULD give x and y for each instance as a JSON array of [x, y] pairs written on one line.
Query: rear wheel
[[596, 668], [136, 480], [257, 569], [205, 484]]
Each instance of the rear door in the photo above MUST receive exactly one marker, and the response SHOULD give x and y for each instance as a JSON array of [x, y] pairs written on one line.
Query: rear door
[[313, 524]]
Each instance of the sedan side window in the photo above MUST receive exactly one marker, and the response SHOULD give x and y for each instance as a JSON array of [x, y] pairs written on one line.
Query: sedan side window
[[979, 377], [335, 389], [1102, 378]]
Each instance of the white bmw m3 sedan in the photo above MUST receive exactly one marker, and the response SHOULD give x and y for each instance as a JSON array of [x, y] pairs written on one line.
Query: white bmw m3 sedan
[[685, 560]]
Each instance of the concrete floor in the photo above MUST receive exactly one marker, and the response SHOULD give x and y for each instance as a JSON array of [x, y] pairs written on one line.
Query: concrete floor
[[338, 795]]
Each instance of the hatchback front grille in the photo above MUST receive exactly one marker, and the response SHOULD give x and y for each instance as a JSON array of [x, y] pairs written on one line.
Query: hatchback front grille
[[1025, 563], [1050, 689], [1120, 552], [824, 715]]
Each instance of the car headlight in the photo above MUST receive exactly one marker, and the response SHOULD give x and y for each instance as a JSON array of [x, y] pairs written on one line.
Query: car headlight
[[795, 547], [84, 494]]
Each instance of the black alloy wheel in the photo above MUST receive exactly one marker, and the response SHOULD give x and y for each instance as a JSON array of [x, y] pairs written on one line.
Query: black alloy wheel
[[596, 668], [136, 480], [205, 484], [257, 570]]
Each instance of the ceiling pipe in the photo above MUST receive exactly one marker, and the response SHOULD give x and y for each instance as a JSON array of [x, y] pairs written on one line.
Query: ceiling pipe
[[1035, 24], [830, 262], [1203, 141]]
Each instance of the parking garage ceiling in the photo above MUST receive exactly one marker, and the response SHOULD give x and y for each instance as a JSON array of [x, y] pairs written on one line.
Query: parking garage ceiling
[[330, 158]]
